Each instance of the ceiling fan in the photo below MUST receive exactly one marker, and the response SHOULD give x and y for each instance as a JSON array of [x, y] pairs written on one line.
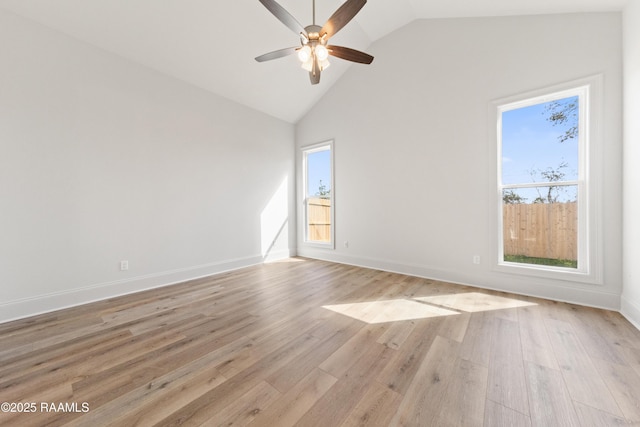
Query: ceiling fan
[[314, 50]]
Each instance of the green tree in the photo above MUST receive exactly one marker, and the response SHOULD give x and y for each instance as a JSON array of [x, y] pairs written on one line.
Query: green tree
[[322, 192], [510, 197], [564, 112]]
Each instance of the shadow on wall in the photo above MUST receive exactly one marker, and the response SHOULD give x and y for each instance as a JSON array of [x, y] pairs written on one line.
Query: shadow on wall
[[274, 221]]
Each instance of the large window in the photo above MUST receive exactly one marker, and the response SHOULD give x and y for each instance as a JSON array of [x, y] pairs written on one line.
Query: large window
[[543, 182], [318, 194]]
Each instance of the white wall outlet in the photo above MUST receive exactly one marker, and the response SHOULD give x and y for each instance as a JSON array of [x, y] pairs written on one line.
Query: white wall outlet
[[346, 243], [476, 259], [124, 265]]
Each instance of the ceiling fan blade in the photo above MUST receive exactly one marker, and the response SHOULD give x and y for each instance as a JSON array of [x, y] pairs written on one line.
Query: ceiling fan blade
[[342, 16], [283, 16], [350, 54], [276, 54]]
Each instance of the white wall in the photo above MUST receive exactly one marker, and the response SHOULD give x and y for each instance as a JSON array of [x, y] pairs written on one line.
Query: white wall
[[411, 135], [103, 160], [631, 150]]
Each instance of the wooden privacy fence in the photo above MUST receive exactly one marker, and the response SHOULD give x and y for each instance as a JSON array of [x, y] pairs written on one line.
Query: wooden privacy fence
[[319, 219], [542, 230]]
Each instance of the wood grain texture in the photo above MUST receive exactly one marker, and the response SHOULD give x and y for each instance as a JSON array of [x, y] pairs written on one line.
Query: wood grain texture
[[507, 384], [260, 347]]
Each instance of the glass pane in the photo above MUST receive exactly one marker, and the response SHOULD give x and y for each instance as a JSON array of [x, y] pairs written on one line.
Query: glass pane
[[319, 174], [319, 196], [536, 231], [540, 142]]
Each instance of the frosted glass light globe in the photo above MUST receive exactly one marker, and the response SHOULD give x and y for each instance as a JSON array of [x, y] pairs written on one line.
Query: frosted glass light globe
[[304, 53]]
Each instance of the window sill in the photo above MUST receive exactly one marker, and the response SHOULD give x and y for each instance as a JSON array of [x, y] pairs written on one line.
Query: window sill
[[548, 272]]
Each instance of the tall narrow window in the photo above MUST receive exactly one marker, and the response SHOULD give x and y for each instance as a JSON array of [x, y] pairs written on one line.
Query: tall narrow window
[[318, 193], [542, 181]]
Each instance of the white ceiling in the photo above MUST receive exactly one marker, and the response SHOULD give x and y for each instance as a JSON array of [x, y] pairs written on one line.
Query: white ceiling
[[212, 43]]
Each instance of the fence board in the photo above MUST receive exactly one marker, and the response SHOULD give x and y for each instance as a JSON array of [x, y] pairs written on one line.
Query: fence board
[[319, 219], [543, 230]]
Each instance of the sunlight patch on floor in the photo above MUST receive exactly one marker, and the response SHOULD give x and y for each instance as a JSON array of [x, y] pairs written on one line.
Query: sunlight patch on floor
[[425, 307], [474, 301], [389, 310]]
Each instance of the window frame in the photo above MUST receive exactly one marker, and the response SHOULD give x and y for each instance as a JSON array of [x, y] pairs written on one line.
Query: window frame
[[305, 151], [589, 236]]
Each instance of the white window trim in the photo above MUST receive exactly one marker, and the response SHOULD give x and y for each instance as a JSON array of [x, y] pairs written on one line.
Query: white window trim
[[590, 176], [305, 151]]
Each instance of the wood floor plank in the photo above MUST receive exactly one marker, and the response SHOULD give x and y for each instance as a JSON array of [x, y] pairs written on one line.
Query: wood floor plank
[[455, 327], [376, 407], [425, 395], [288, 376], [588, 416], [335, 405], [476, 344], [580, 375], [550, 400], [620, 379], [464, 401], [243, 411], [292, 405], [61, 392], [202, 408], [397, 333], [536, 346], [260, 346], [632, 358], [499, 415], [401, 369], [507, 384], [341, 360], [591, 331]]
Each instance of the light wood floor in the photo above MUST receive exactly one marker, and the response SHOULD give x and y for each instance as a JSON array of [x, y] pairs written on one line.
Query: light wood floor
[[312, 343]]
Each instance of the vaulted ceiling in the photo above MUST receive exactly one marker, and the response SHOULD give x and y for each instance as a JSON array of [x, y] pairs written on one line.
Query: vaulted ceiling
[[212, 43]]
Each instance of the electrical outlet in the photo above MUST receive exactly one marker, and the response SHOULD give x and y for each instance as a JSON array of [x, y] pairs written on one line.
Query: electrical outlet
[[346, 243], [124, 265], [476, 259]]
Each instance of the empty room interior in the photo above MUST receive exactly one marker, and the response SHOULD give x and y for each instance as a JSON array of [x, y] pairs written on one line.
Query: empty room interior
[[320, 213]]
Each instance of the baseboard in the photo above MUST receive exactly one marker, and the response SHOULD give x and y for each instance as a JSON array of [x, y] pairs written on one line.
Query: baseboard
[[486, 280], [40, 304], [631, 311]]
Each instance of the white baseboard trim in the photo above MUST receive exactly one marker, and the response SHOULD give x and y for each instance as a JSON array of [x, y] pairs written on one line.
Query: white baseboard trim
[[485, 280], [631, 311], [26, 307]]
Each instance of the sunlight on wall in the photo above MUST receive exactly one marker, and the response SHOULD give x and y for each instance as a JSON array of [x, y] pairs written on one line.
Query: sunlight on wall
[[274, 219], [424, 307]]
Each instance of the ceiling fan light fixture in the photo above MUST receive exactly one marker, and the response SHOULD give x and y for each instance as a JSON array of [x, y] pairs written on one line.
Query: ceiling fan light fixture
[[304, 54], [323, 64], [322, 53], [308, 65]]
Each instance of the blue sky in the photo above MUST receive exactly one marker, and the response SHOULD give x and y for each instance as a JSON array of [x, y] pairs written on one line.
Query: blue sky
[[530, 142], [319, 168]]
